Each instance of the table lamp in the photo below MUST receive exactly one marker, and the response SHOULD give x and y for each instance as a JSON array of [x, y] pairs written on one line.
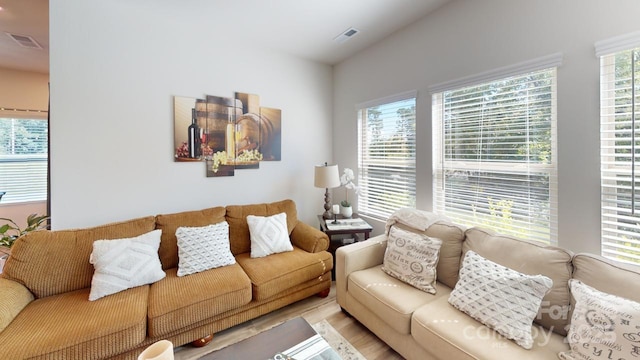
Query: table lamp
[[326, 176]]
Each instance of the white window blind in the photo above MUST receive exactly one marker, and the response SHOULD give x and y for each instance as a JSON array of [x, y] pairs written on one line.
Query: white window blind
[[387, 155], [495, 155], [620, 154], [23, 159]]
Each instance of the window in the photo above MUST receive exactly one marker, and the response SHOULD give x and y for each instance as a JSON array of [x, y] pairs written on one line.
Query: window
[[495, 154], [620, 152], [23, 159], [387, 155]]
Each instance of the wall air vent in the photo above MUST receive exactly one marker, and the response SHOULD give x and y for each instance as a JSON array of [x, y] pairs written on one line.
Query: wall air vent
[[346, 35], [24, 41]]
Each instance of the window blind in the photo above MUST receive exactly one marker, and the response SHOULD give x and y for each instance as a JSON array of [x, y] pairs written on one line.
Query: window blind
[[23, 159], [387, 156], [620, 154], [495, 155]]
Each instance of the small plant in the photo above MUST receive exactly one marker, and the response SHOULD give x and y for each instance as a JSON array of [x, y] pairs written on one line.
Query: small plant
[[347, 181], [11, 232]]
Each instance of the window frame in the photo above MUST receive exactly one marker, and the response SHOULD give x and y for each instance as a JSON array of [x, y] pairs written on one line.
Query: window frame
[[37, 194], [367, 204], [440, 164], [616, 223]]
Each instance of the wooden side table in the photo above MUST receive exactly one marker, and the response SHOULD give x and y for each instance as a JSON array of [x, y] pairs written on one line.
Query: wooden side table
[[341, 237], [330, 233]]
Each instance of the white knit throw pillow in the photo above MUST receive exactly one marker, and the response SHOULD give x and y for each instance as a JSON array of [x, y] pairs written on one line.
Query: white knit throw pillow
[[500, 298], [125, 263], [203, 248], [269, 235]]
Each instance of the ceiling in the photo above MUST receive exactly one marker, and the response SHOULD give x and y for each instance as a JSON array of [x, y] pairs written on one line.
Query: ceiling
[[304, 28]]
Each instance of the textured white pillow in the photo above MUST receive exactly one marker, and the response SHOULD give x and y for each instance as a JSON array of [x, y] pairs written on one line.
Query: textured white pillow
[[269, 235], [500, 298], [412, 258], [603, 326], [203, 248], [125, 263]]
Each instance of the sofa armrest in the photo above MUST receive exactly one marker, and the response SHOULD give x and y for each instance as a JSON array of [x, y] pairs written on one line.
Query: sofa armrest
[[357, 256], [308, 238], [13, 298]]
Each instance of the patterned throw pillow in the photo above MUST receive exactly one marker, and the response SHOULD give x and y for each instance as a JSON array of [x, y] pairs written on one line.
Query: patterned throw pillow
[[412, 258], [603, 326], [500, 298], [125, 263], [269, 235], [203, 248]]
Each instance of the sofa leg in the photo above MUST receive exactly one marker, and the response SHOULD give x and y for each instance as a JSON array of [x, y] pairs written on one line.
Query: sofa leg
[[202, 341], [345, 312], [324, 293]]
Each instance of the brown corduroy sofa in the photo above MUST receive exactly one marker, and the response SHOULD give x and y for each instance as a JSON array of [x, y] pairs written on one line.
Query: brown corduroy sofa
[[44, 288]]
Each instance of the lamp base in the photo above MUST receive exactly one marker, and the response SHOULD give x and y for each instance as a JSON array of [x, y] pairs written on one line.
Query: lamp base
[[327, 204]]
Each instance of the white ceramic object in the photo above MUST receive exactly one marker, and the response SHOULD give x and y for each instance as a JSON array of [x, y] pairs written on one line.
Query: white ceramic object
[[161, 350], [346, 211]]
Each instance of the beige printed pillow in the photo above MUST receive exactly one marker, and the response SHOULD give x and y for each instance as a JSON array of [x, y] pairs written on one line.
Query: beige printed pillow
[[412, 258], [603, 326]]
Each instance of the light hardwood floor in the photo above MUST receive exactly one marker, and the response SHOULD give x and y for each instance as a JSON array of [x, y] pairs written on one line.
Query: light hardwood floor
[[314, 310]]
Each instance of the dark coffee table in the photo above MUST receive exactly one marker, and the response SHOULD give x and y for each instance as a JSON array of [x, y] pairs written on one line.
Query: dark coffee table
[[267, 343]]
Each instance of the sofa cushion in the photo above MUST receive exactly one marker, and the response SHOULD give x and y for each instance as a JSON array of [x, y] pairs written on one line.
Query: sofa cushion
[[68, 326], [603, 326], [412, 258], [203, 248], [442, 329], [269, 234], [64, 249], [177, 302], [276, 273], [125, 263], [530, 258], [391, 299], [452, 237], [607, 275], [169, 223], [239, 236], [503, 299]]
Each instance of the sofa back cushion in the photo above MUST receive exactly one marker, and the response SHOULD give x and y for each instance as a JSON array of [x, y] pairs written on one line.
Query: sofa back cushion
[[449, 259], [169, 223], [607, 275], [55, 262], [530, 258], [239, 236]]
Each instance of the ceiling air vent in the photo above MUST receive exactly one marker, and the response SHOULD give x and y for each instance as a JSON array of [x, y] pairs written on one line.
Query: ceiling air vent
[[346, 35], [25, 41]]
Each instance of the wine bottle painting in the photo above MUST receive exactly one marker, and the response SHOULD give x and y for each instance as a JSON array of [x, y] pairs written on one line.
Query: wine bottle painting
[[226, 133]]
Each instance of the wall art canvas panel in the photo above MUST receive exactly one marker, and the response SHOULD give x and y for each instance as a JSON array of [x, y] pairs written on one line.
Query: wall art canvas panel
[[222, 114], [226, 133], [270, 134], [188, 129]]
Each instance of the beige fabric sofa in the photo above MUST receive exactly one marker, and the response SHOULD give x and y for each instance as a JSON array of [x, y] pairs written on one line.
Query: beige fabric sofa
[[45, 285], [422, 326]]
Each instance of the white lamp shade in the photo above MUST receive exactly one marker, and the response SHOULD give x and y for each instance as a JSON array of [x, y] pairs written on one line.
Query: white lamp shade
[[326, 176]]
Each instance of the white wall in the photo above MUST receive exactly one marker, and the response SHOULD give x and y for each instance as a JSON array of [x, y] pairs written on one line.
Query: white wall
[[22, 90], [115, 67], [467, 37]]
